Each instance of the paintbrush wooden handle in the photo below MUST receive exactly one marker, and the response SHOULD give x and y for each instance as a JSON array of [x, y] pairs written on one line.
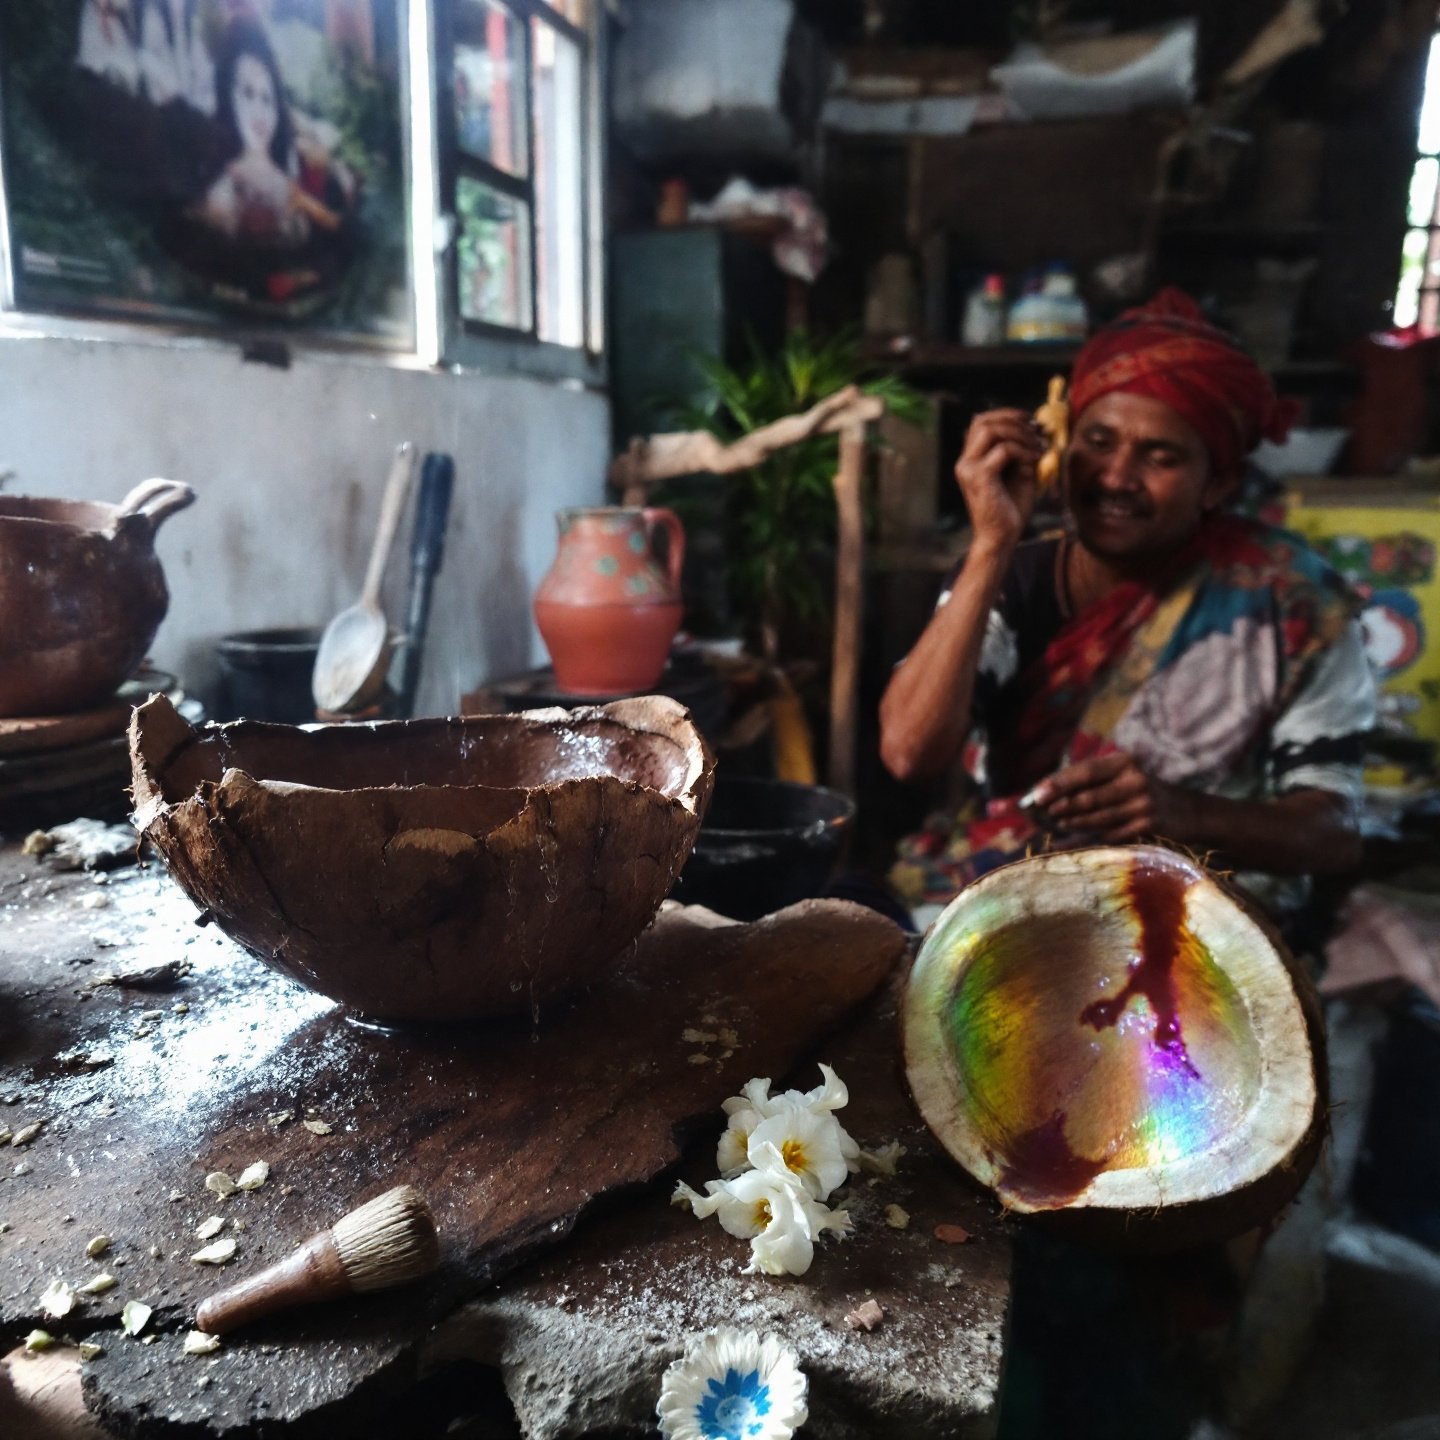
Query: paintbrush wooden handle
[[313, 1272]]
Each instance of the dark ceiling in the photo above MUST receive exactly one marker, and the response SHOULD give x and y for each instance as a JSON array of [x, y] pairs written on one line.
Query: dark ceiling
[[988, 23]]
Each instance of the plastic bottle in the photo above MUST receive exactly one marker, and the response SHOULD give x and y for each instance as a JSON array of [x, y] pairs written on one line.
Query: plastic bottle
[[984, 322], [1067, 315], [1024, 322], [1051, 312]]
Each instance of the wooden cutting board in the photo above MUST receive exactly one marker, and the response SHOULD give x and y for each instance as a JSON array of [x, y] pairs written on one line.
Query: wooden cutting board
[[511, 1130]]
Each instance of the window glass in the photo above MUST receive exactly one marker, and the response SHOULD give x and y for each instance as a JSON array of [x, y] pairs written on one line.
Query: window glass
[[1422, 192], [1429, 142], [559, 90], [489, 79], [1412, 268], [494, 255]]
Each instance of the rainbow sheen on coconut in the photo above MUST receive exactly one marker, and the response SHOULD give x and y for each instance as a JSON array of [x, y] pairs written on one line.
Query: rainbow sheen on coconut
[[1108, 1029]]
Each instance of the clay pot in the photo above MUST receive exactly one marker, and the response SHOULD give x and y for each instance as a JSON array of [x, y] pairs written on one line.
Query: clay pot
[[420, 870], [606, 610], [81, 595]]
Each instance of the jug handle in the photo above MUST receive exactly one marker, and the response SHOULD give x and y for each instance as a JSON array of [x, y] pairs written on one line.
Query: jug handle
[[669, 521], [154, 500]]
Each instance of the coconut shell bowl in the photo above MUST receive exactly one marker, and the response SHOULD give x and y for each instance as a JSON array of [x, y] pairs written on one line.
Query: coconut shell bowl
[[1111, 1036], [428, 870]]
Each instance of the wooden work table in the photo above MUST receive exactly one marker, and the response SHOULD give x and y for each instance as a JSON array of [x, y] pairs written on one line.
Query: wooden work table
[[514, 1131]]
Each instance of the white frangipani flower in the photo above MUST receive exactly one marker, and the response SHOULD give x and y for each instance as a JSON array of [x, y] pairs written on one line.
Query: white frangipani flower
[[808, 1144], [772, 1209], [733, 1385], [733, 1156], [832, 1094], [755, 1104], [754, 1095], [780, 1158]]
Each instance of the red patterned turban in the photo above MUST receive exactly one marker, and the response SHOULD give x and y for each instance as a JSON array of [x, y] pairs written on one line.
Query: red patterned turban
[[1169, 351]]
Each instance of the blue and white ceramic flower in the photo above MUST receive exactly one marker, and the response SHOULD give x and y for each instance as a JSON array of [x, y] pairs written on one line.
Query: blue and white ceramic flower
[[733, 1385]]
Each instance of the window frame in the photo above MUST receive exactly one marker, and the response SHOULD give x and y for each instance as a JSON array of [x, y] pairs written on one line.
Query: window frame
[[1430, 227], [487, 345]]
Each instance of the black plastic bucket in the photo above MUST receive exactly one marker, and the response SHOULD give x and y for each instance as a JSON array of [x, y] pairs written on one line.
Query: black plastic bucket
[[265, 675], [765, 844]]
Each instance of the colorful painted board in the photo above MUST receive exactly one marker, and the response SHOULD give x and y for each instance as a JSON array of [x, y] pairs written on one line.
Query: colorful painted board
[[1384, 538]]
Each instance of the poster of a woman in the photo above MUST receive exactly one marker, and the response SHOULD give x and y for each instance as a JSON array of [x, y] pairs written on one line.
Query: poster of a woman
[[218, 162]]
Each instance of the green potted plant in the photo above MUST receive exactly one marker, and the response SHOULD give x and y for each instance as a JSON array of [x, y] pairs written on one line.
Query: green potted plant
[[778, 519]]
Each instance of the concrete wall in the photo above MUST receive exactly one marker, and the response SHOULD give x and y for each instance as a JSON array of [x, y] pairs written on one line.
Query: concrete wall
[[289, 465]]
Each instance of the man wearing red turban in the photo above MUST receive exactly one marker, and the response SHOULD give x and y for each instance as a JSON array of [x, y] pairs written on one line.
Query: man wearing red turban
[[1169, 351], [1164, 668]]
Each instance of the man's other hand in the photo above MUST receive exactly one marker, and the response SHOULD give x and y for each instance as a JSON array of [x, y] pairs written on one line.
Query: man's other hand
[[1112, 798]]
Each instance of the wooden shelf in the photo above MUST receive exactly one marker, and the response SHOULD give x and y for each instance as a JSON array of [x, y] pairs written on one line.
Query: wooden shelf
[[1364, 491], [1239, 237], [938, 358], [935, 356]]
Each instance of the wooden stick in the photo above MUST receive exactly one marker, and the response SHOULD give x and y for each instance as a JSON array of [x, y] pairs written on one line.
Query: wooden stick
[[689, 452], [849, 607], [846, 412]]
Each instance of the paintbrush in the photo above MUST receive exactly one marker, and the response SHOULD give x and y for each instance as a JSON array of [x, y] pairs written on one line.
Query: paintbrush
[[387, 1241]]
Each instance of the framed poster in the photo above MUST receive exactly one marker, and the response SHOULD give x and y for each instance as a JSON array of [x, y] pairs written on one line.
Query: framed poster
[[209, 162]]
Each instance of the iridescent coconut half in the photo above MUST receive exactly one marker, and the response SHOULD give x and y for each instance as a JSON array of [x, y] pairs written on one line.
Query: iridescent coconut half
[[1110, 1033], [428, 869]]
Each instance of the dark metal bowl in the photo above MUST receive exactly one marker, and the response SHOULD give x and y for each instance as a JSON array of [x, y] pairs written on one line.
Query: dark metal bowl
[[765, 844]]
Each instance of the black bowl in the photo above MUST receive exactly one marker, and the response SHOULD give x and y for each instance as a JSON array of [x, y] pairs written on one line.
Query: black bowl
[[266, 674], [765, 844]]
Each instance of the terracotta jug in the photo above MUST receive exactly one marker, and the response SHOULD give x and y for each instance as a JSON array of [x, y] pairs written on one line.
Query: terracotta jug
[[606, 609]]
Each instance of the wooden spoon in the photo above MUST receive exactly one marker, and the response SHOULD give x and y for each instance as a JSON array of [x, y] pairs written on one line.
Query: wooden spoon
[[355, 648]]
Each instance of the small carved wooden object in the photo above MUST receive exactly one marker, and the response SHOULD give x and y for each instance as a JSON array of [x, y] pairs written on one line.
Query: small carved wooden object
[[1054, 418]]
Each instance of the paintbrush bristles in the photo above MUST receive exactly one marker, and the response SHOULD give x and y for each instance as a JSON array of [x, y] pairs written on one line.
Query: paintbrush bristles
[[387, 1241]]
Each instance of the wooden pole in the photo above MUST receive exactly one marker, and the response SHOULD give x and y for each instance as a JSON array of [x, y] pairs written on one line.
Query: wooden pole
[[846, 413], [849, 607]]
